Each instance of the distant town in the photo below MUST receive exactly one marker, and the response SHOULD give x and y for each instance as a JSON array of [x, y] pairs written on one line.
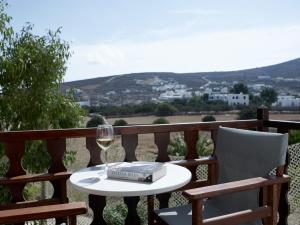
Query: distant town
[[163, 90], [157, 87]]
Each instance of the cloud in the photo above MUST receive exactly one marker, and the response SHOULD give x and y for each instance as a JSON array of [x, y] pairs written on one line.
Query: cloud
[[196, 52], [204, 12]]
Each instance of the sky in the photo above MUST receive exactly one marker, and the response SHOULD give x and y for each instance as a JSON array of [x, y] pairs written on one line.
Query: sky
[[111, 37]]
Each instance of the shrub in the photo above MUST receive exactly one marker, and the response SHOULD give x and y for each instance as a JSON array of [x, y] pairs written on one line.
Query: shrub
[[165, 109], [161, 120], [247, 113], [204, 145], [239, 88], [120, 122], [208, 118], [177, 146], [115, 214], [95, 121], [294, 137]]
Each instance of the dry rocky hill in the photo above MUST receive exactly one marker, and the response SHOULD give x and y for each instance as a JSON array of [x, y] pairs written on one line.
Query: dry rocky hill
[[140, 87]]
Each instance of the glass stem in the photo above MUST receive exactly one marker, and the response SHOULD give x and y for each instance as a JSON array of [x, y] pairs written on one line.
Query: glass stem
[[105, 158]]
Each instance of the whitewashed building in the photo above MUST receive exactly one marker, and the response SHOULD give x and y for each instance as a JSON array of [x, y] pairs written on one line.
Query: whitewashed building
[[224, 90], [258, 87], [177, 94], [238, 99], [287, 101], [217, 97]]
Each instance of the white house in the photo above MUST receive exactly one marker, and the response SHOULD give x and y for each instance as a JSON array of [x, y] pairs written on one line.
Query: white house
[[264, 77], [217, 97], [224, 90], [238, 99], [287, 101], [258, 87], [208, 91], [170, 95]]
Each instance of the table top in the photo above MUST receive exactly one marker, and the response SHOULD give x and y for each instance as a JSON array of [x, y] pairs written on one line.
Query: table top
[[93, 180]]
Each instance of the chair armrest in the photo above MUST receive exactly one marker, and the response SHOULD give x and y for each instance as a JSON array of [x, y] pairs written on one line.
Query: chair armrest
[[236, 186], [195, 162]]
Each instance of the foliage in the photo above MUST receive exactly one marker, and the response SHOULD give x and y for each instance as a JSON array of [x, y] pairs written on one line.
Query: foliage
[[247, 113], [268, 96], [205, 97], [115, 214], [36, 158], [255, 101], [161, 120], [31, 72], [165, 109], [239, 88], [120, 122], [177, 146], [194, 104], [6, 30], [294, 137], [69, 157], [95, 121], [128, 109], [31, 190], [5, 195], [204, 145], [208, 118]]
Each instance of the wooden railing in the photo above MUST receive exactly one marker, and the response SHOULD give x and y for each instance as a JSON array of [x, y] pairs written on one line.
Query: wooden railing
[[14, 143]]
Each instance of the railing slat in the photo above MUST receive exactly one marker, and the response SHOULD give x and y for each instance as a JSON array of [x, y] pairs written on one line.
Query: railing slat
[[94, 150], [15, 151], [132, 216], [130, 142], [162, 140], [191, 138], [57, 149], [97, 204]]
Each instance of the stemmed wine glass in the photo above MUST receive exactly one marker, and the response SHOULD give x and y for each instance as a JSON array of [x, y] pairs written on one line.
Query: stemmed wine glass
[[104, 139]]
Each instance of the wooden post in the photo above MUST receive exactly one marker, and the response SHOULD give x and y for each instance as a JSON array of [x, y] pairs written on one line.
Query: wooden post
[[263, 115]]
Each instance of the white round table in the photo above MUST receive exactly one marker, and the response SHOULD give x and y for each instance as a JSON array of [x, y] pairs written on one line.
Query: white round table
[[94, 181]]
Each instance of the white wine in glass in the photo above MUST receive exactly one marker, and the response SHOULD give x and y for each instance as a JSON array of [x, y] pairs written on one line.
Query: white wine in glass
[[104, 139]]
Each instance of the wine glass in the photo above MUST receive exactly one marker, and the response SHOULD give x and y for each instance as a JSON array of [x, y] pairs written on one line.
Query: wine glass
[[104, 139]]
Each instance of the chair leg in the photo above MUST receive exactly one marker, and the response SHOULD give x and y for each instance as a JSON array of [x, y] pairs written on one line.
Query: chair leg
[[273, 203], [72, 220], [197, 207]]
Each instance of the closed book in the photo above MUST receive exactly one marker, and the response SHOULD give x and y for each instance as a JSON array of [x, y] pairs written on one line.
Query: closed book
[[137, 171]]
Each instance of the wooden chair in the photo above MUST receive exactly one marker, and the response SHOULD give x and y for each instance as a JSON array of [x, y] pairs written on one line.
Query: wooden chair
[[244, 161]]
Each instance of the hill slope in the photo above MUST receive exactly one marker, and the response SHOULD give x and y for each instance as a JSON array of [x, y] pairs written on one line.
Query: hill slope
[[137, 87]]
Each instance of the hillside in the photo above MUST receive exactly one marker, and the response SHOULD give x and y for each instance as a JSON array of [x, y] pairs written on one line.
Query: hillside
[[138, 87]]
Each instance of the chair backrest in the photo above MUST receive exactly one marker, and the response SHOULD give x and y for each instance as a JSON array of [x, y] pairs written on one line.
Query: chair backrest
[[246, 154]]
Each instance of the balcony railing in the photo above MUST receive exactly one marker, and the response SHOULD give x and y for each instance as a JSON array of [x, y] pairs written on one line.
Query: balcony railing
[[14, 143]]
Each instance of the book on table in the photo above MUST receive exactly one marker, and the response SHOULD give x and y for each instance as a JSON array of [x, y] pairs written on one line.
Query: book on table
[[137, 171]]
